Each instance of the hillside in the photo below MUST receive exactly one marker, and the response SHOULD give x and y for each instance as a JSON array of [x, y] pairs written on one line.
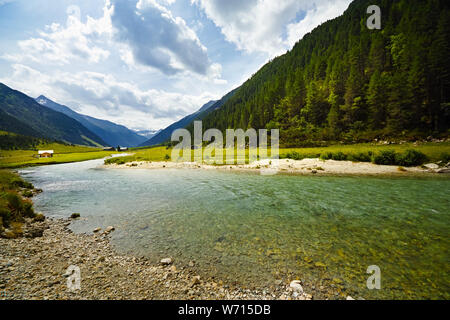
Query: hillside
[[113, 134], [344, 82], [165, 134], [14, 141], [9, 123], [41, 121]]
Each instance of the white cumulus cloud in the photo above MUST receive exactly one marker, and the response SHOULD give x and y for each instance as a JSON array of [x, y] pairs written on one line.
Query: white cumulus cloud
[[266, 25]]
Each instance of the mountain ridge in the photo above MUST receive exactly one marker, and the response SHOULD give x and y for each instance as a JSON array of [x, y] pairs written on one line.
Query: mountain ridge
[[113, 134], [40, 121]]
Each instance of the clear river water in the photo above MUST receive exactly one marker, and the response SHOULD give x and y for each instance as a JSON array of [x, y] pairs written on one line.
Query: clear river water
[[251, 230]]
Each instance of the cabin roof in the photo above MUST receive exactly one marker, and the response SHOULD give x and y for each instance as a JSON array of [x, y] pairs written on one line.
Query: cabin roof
[[45, 151]]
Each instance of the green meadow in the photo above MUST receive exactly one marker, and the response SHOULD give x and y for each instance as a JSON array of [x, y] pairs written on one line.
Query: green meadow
[[63, 154]]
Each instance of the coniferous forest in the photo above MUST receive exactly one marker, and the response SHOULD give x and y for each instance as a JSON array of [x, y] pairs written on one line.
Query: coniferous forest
[[344, 82]]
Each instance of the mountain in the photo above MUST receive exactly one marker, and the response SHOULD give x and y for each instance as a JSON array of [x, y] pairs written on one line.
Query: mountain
[[23, 115], [113, 134], [10, 124], [147, 133], [165, 134], [344, 82]]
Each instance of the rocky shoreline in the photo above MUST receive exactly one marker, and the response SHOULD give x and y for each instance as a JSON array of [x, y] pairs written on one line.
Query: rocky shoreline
[[35, 268], [288, 166]]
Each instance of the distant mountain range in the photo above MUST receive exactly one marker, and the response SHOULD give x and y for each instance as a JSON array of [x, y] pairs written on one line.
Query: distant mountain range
[[113, 134], [165, 134], [147, 133], [21, 114]]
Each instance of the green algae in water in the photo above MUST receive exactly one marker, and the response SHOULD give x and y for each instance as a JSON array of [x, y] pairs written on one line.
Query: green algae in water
[[252, 230]]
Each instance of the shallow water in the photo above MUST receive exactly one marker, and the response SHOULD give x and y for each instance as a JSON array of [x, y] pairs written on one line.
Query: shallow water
[[251, 230]]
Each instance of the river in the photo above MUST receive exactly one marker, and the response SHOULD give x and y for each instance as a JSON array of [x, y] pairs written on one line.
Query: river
[[251, 230]]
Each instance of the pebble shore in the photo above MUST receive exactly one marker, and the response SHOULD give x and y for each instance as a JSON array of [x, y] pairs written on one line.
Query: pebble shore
[[35, 268]]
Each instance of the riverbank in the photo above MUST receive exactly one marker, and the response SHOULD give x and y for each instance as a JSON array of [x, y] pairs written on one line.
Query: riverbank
[[306, 166], [35, 268]]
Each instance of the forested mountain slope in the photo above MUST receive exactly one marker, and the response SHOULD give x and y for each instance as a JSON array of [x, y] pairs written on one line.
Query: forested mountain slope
[[112, 133], [33, 119], [344, 82]]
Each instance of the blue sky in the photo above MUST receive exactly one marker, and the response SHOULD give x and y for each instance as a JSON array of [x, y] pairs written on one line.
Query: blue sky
[[146, 63]]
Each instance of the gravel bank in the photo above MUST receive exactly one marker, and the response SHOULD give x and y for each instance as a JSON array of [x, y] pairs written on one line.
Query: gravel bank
[[35, 268], [305, 166]]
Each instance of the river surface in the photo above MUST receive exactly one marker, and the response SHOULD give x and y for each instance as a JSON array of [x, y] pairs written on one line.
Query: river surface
[[251, 230]]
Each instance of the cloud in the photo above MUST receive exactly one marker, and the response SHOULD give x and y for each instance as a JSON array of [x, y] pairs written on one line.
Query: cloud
[[76, 41], [102, 95], [266, 25], [158, 39], [143, 34]]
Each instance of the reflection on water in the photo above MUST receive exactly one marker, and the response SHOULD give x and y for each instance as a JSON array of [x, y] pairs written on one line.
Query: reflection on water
[[250, 230]]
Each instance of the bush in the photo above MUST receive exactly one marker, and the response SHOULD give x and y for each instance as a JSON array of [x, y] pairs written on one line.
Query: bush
[[27, 209], [326, 156], [338, 156], [167, 157], [5, 214], [27, 194], [445, 157], [386, 157], [20, 183], [361, 157], [115, 161], [411, 158], [14, 202]]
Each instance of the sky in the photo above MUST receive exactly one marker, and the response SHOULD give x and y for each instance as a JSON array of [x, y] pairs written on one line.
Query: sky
[[146, 63]]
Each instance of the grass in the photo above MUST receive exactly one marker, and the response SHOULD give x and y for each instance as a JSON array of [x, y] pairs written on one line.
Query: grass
[[13, 206], [402, 153], [63, 154], [434, 151]]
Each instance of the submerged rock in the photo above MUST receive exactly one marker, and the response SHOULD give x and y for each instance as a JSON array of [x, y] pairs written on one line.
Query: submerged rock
[[96, 230], [109, 229]]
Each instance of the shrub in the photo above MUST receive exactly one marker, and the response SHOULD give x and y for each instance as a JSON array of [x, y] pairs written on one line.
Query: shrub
[[361, 157], [14, 202], [445, 157], [386, 157], [326, 156], [5, 214], [20, 183], [339, 156], [167, 157], [411, 158], [27, 194], [27, 209]]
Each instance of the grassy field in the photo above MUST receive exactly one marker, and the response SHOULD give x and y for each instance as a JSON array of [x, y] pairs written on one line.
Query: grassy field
[[63, 154], [433, 152]]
